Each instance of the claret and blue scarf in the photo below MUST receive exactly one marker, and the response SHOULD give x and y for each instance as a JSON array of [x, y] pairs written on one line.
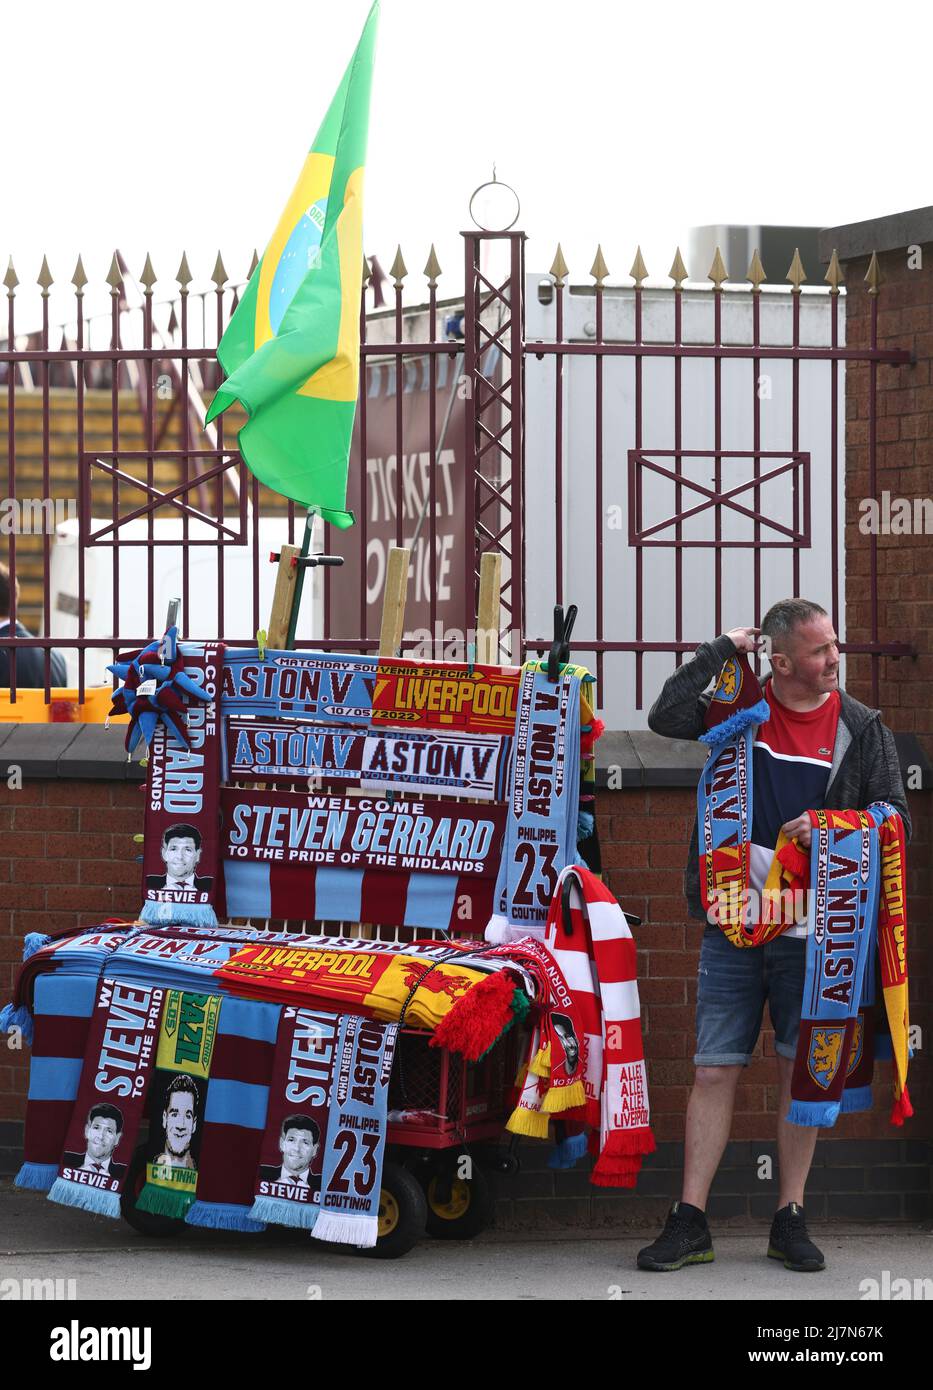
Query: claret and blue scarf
[[855, 873]]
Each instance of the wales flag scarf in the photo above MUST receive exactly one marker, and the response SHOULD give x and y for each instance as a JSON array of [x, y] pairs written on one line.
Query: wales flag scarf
[[291, 350]]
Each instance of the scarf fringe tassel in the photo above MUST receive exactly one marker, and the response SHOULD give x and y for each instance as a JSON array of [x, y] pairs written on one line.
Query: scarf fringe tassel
[[38, 1177], [75, 1194], [33, 942], [855, 1100], [178, 915], [902, 1109], [347, 1230], [222, 1216], [478, 1020], [736, 724], [560, 1098], [12, 1017], [815, 1114], [282, 1213], [568, 1152], [162, 1202], [531, 1123]]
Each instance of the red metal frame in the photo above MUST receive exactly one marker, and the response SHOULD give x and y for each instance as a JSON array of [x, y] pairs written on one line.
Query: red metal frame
[[495, 443]]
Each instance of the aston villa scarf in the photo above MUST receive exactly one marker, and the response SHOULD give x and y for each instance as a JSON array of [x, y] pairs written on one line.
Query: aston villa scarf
[[181, 855], [332, 688], [63, 1008], [543, 805], [235, 1115], [725, 814], [322, 1153], [354, 859], [450, 763], [856, 899], [177, 1102], [108, 1107]]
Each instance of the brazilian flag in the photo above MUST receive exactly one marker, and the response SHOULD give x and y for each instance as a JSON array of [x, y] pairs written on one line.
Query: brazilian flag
[[291, 351]]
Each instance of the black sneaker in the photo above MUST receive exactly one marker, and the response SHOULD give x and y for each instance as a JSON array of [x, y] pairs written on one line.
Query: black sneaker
[[790, 1242], [685, 1240]]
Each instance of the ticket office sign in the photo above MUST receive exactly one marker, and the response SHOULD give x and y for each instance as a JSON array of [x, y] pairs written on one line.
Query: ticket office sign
[[460, 764]]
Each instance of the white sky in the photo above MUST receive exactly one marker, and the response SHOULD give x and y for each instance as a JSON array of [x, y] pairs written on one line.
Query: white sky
[[167, 126]]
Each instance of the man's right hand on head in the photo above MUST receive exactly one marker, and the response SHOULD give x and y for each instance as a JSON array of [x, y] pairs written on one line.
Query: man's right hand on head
[[745, 639]]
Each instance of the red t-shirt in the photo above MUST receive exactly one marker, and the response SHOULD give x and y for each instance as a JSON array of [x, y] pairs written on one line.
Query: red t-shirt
[[792, 756]]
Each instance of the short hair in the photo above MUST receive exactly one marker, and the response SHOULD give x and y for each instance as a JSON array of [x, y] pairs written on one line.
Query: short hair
[[787, 614], [178, 1085], [302, 1122], [182, 832], [5, 590], [105, 1112]]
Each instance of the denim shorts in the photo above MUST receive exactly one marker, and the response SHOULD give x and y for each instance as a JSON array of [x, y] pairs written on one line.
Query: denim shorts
[[732, 985]]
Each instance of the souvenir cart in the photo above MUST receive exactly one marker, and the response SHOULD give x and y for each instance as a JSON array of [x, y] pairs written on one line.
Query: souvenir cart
[[331, 1010]]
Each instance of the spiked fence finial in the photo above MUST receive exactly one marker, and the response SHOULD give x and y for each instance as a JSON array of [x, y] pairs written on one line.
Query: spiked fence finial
[[717, 271], [432, 268], [252, 265], [834, 276], [115, 275], [678, 271], [599, 269], [148, 276], [219, 274], [44, 278], [796, 275], [873, 276], [559, 267], [79, 279], [756, 272], [183, 273], [639, 270], [398, 269]]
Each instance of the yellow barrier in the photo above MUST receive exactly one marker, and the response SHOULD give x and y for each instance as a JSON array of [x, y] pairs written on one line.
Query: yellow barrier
[[31, 708]]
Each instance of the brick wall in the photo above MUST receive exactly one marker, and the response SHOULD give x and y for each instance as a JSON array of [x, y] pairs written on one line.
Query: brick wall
[[67, 857], [904, 455]]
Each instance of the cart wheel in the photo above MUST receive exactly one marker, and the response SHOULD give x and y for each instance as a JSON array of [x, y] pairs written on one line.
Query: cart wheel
[[147, 1223], [458, 1208], [402, 1214]]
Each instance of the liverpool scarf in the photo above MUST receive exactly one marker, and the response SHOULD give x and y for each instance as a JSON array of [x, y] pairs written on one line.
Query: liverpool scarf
[[543, 803], [108, 1106], [322, 1153], [179, 1092], [593, 950]]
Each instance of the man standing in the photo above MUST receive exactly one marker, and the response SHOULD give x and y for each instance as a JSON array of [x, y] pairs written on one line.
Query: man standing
[[819, 748], [30, 661]]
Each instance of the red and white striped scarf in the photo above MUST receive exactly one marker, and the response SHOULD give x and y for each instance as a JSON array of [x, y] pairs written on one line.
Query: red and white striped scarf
[[595, 954]]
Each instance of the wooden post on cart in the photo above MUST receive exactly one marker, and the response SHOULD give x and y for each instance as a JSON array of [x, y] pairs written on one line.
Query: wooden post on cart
[[487, 613]]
